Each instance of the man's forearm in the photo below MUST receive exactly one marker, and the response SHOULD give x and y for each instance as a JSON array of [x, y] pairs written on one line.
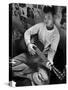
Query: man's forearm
[[51, 54], [27, 37]]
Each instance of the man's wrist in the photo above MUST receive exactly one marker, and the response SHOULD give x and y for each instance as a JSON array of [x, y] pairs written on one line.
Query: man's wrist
[[28, 44], [48, 65]]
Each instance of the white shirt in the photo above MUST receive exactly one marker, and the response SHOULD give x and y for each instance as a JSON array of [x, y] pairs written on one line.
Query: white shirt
[[47, 37]]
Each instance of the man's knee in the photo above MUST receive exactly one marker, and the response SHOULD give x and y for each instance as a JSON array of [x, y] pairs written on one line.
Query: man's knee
[[21, 57], [20, 67], [21, 70], [18, 59]]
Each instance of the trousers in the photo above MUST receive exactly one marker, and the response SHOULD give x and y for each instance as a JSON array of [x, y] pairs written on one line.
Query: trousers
[[25, 65]]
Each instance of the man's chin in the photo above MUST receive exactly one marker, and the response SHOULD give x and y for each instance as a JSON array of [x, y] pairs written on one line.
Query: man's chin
[[49, 27]]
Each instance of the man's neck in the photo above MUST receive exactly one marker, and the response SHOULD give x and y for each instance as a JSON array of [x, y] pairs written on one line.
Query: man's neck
[[50, 28]]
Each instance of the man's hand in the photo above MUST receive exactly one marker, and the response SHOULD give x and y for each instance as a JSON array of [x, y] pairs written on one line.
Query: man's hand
[[31, 49], [40, 77], [46, 50], [48, 65]]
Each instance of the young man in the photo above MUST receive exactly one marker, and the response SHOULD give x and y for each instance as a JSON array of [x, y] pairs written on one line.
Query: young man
[[48, 35]]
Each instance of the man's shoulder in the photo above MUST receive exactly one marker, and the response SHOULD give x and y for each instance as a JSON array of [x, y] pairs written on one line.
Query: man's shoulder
[[55, 33], [56, 29], [39, 24]]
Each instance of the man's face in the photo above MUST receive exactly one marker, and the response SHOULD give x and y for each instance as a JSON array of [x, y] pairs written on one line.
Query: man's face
[[48, 20]]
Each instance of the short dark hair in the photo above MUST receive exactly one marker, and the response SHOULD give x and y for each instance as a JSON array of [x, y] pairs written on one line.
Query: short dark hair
[[47, 9]]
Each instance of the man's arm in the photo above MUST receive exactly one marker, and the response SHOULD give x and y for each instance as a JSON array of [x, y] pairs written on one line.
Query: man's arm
[[53, 48], [31, 31], [27, 36]]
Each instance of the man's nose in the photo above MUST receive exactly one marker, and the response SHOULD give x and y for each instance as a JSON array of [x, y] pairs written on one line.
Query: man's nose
[[46, 21]]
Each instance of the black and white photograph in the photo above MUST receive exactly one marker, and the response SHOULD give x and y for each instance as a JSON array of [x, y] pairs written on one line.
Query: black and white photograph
[[37, 44]]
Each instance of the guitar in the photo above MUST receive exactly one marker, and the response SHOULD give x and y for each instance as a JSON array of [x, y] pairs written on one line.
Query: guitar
[[60, 75]]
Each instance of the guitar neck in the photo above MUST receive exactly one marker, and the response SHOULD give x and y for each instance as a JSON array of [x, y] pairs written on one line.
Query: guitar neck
[[45, 60], [41, 55]]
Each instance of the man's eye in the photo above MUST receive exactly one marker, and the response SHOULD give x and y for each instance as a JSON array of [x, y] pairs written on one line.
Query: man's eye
[[49, 17], [45, 18]]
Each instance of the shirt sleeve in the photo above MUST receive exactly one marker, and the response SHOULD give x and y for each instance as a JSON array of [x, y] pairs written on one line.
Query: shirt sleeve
[[53, 48], [31, 31]]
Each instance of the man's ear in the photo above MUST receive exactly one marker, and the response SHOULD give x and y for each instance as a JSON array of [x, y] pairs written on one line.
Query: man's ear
[[55, 18]]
